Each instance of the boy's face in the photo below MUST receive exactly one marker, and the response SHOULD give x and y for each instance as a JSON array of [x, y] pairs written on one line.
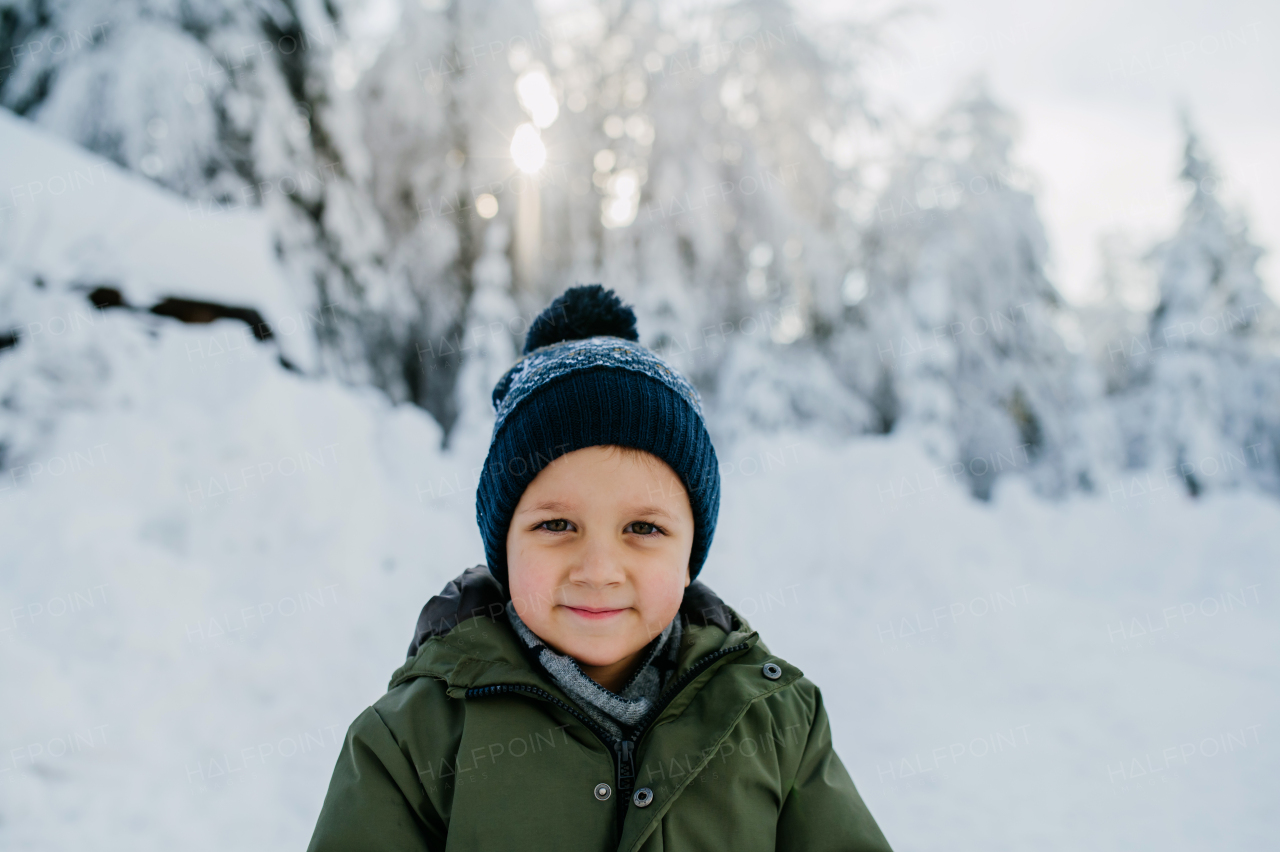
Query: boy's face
[[598, 556]]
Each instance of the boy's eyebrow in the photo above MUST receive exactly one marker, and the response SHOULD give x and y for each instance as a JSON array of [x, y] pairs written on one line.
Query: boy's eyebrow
[[549, 506], [560, 506], [650, 509]]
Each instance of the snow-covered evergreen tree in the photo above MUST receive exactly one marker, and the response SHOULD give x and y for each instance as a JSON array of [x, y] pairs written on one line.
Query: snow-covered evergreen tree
[[1205, 408], [714, 139], [955, 331], [1121, 307], [441, 108], [490, 341], [235, 105]]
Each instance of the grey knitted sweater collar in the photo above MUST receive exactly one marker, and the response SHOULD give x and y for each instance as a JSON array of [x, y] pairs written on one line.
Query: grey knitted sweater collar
[[611, 710]]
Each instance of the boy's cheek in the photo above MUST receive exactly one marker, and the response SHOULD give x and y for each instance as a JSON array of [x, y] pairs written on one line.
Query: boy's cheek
[[532, 601], [537, 585], [532, 588], [660, 604]]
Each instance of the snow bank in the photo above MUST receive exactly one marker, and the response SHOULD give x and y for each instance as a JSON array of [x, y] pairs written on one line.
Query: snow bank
[[1087, 674], [76, 219], [205, 577]]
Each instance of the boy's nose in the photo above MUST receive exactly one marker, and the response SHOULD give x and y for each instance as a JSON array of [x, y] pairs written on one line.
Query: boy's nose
[[599, 565]]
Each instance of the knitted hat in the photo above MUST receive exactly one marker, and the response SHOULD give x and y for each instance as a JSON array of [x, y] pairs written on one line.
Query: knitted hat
[[584, 381]]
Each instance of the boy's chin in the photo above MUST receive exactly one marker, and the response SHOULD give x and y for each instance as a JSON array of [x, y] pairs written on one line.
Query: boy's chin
[[600, 658], [600, 650]]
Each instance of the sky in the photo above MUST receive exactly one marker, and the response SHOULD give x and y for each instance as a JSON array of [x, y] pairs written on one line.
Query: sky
[[1098, 85]]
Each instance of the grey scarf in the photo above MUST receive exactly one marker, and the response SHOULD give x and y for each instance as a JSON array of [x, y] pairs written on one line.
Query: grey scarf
[[609, 709]]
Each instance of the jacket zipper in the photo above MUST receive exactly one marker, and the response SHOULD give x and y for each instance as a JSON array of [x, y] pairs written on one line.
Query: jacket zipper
[[498, 689], [623, 748], [676, 688]]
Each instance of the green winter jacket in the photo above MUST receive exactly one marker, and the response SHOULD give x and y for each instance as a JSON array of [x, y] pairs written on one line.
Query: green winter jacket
[[475, 748]]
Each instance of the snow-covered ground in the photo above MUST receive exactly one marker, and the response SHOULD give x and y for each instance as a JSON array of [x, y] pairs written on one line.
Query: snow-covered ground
[[226, 567], [1094, 674], [211, 564], [76, 219]]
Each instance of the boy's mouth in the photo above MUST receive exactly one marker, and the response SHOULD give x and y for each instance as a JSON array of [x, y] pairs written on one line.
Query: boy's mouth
[[593, 613]]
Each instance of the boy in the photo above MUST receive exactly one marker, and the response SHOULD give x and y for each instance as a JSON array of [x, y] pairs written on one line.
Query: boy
[[582, 692]]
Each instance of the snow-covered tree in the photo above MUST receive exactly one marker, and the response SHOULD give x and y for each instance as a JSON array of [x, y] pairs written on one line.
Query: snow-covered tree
[[490, 341], [441, 107], [1207, 380], [234, 105], [955, 331], [704, 148], [1119, 310]]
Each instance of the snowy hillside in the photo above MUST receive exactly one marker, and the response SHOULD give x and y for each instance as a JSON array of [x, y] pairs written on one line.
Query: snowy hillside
[[77, 221], [212, 564]]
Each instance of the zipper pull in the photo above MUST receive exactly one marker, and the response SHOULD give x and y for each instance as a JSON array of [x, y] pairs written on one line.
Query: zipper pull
[[624, 749]]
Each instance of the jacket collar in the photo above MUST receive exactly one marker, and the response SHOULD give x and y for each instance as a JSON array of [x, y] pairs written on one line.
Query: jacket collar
[[463, 638], [475, 593]]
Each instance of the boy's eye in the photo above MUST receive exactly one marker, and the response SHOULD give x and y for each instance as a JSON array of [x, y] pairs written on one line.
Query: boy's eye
[[558, 525], [643, 528]]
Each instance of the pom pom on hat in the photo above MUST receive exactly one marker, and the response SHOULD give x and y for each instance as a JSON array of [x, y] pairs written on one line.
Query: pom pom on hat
[[579, 313]]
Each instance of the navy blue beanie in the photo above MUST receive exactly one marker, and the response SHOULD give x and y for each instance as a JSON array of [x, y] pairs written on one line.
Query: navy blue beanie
[[585, 381]]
